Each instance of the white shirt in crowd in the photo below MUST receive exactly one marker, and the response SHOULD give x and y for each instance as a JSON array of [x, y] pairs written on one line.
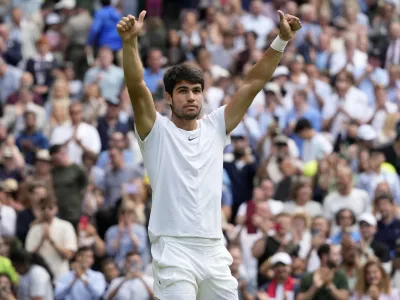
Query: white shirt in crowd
[[378, 122], [316, 148], [186, 199], [8, 219], [357, 201], [131, 289], [355, 103], [312, 208], [63, 234], [259, 24], [339, 61], [35, 283], [86, 133]]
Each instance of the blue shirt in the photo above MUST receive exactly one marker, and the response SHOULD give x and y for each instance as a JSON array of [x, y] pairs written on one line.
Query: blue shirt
[[337, 239], [153, 80], [105, 131], [94, 290], [379, 75], [125, 243], [103, 31], [369, 182], [104, 158], [38, 140]]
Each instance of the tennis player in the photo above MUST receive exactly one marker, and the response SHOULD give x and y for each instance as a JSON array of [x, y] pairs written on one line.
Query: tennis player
[[184, 161]]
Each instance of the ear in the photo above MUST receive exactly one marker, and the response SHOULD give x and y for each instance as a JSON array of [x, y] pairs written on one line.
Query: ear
[[168, 98]]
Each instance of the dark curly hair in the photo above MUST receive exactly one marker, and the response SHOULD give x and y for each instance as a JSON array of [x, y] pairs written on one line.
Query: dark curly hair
[[182, 72]]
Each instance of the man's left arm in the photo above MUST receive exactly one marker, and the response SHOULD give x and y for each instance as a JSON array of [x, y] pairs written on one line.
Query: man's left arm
[[260, 73]]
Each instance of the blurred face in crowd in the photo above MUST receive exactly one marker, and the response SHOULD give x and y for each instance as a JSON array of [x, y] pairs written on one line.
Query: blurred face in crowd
[[228, 40], [133, 263], [320, 225], [308, 13], [116, 157], [173, 38], [27, 79], [367, 231], [211, 13], [376, 159], [324, 42], [287, 167], [343, 179], [4, 248], [299, 100], [38, 192], [49, 211], [113, 111], [186, 100], [335, 256], [110, 271], [204, 59], [76, 113], [267, 187], [258, 195], [60, 90], [256, 7], [43, 48], [395, 31], [237, 259], [250, 40], [30, 121], [373, 275], [16, 15], [281, 271], [345, 219], [240, 145], [117, 140], [385, 208], [304, 193], [155, 60], [86, 259], [284, 224], [349, 253], [105, 57], [42, 167]]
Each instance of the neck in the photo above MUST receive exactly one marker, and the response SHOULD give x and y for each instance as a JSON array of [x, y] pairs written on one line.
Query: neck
[[368, 240], [281, 280], [345, 191], [387, 219], [301, 201], [30, 130], [75, 124], [187, 125]]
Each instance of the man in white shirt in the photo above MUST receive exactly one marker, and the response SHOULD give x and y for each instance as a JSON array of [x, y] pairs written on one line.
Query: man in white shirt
[[184, 159], [54, 239], [316, 146], [80, 137]]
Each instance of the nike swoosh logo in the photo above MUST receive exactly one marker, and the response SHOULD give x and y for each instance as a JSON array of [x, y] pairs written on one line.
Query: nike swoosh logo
[[193, 138]]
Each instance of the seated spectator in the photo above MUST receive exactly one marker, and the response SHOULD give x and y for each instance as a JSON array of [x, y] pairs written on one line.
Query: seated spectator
[[282, 285], [6, 287], [374, 283], [126, 236], [350, 262], [301, 194], [327, 282], [82, 282], [237, 270], [133, 283], [36, 277], [345, 220], [389, 225], [45, 239], [110, 270]]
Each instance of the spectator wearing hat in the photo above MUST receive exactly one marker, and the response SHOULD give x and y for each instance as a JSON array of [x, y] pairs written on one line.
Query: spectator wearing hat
[[108, 76], [82, 282], [111, 122], [41, 67], [9, 80], [31, 140], [69, 181], [388, 229], [79, 137], [327, 282], [315, 145], [368, 244], [370, 179], [282, 286], [45, 239]]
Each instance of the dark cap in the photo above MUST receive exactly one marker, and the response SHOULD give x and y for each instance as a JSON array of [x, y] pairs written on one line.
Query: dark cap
[[55, 149], [281, 139], [113, 101]]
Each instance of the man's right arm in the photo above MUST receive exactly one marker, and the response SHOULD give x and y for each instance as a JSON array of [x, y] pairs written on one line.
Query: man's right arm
[[143, 106]]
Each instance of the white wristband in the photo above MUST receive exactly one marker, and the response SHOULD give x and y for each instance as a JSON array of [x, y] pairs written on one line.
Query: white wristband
[[278, 44]]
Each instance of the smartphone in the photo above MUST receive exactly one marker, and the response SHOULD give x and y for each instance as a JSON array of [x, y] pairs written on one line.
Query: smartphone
[[83, 222], [277, 226], [131, 189]]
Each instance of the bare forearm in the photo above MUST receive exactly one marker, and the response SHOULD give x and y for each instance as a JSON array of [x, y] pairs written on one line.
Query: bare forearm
[[338, 294], [133, 68]]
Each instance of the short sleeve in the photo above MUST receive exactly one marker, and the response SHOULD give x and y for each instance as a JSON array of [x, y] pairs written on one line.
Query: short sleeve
[[341, 281], [306, 283], [217, 117], [153, 135], [39, 280]]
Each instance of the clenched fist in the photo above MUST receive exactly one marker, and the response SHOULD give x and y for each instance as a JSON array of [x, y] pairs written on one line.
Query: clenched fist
[[128, 27]]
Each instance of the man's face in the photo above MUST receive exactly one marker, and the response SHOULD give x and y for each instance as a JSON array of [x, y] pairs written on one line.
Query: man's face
[[385, 208], [186, 100], [30, 121], [154, 60], [366, 230], [117, 140], [281, 271], [268, 188], [105, 58], [133, 263], [343, 179], [113, 110], [110, 271], [49, 211], [86, 259], [76, 114]]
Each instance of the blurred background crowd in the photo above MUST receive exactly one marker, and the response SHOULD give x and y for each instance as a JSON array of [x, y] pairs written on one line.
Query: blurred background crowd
[[311, 197]]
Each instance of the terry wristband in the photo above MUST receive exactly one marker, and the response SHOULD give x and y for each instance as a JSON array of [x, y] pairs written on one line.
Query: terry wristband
[[278, 44]]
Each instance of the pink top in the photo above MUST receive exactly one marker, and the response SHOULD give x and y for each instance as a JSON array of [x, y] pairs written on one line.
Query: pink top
[[394, 295]]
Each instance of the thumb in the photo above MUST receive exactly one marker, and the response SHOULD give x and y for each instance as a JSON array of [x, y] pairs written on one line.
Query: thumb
[[142, 15], [281, 16]]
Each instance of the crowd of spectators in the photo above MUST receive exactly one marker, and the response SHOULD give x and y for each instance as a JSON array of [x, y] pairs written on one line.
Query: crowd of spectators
[[311, 188]]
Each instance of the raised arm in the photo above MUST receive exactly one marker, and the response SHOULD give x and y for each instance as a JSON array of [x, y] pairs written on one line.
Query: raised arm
[[143, 106], [260, 73]]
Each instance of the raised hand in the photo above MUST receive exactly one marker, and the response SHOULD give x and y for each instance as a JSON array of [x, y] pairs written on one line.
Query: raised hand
[[128, 27], [288, 25]]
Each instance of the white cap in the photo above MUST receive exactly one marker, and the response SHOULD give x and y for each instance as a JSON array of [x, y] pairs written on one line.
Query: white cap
[[43, 154], [281, 71], [273, 87], [368, 218], [366, 133], [281, 257], [65, 4], [53, 19]]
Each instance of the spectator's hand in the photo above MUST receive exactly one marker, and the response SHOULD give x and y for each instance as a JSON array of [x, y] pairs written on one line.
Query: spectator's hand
[[262, 296], [373, 292], [243, 286], [129, 28], [10, 141], [328, 277], [46, 231], [288, 25], [27, 145], [78, 270], [90, 230], [317, 279], [369, 69]]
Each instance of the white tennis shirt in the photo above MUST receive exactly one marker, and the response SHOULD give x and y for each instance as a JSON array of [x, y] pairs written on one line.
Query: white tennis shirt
[[185, 172]]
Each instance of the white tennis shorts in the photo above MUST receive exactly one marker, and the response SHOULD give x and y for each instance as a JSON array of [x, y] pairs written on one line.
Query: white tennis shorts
[[192, 268]]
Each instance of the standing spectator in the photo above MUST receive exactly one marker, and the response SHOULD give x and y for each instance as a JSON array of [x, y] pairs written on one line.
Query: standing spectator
[[10, 48], [36, 277], [82, 282], [45, 239], [127, 236], [69, 181], [133, 283], [9, 80], [79, 136], [108, 76], [327, 282], [393, 52], [8, 216], [103, 32], [31, 140], [153, 74], [237, 272]]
